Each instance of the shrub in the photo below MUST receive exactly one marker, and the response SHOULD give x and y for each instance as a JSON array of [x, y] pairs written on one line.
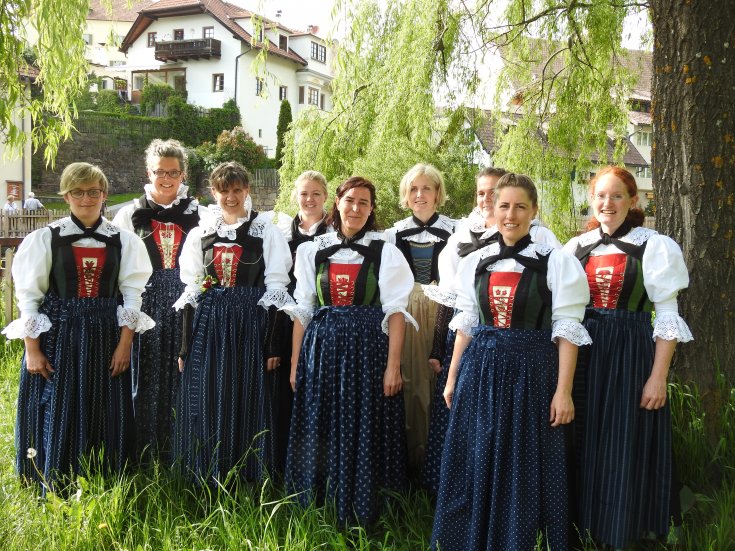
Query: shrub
[[234, 145], [109, 102]]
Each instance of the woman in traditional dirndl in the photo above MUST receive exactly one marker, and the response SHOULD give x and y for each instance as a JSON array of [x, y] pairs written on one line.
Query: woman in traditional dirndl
[[310, 195], [626, 486], [75, 400], [420, 237], [504, 466], [348, 439], [475, 231], [236, 272], [162, 218]]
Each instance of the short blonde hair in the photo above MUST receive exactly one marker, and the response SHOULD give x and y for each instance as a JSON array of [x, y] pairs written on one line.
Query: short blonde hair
[[77, 174], [432, 173], [310, 176]]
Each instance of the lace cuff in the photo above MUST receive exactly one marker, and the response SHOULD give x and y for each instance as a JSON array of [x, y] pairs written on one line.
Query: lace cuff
[[275, 297], [134, 319], [31, 326], [397, 309], [296, 312], [670, 326], [464, 322], [571, 330], [442, 296], [187, 297]]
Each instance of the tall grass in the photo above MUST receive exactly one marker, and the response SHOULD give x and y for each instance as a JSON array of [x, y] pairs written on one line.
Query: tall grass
[[154, 509]]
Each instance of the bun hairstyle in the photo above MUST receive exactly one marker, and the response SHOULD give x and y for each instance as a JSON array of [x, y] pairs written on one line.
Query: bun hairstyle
[[354, 182], [635, 216], [511, 179]]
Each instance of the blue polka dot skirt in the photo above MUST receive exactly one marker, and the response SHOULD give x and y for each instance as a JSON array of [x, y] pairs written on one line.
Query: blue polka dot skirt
[[225, 408], [624, 463], [504, 469], [155, 368], [347, 440], [438, 423], [81, 410]]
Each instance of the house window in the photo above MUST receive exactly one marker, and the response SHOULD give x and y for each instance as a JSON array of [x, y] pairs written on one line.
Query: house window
[[258, 86], [643, 138], [87, 39], [301, 94], [283, 42], [313, 96], [178, 34], [260, 35], [117, 62], [318, 52], [218, 82], [138, 82], [207, 32], [151, 40], [645, 172], [321, 102], [260, 132], [282, 93]]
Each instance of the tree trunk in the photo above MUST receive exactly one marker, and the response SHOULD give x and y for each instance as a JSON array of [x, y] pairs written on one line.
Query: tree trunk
[[694, 175]]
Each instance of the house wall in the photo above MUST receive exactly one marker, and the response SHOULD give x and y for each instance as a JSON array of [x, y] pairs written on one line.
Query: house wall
[[101, 50], [17, 168]]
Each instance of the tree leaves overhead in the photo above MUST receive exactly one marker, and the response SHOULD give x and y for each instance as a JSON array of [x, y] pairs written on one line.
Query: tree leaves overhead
[[59, 51]]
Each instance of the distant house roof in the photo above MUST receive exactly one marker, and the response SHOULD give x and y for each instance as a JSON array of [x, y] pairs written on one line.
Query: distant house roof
[[485, 133], [638, 118], [121, 11], [29, 72], [222, 12]]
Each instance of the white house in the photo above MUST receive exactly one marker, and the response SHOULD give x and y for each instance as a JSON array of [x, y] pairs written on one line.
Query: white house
[[207, 49], [15, 169]]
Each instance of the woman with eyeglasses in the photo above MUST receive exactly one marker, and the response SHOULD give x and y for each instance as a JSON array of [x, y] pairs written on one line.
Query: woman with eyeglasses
[[78, 283], [235, 269], [162, 218], [627, 488], [348, 439]]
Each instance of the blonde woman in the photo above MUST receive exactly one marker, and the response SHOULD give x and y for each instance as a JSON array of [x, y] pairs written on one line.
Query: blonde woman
[[420, 237]]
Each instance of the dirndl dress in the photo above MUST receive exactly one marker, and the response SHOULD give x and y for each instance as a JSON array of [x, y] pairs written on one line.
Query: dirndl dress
[[421, 243], [347, 441], [224, 418], [504, 467], [623, 453], [154, 360], [81, 417]]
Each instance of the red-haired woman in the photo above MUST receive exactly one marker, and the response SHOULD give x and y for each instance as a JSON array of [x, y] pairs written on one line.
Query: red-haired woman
[[624, 422], [347, 438]]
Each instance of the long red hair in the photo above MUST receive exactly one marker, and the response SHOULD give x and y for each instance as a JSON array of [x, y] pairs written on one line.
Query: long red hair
[[635, 215]]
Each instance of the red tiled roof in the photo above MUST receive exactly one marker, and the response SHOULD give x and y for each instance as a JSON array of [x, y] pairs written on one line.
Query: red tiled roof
[[29, 72], [485, 133], [223, 12], [638, 118], [121, 11]]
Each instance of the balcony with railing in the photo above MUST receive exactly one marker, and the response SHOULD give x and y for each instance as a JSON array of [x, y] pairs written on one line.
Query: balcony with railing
[[184, 50]]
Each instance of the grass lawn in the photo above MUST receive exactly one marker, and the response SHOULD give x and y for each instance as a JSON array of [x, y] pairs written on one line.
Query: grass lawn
[[154, 510]]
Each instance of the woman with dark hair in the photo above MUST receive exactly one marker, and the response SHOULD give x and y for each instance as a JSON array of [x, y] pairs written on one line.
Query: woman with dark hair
[[236, 273], [162, 218], [347, 436], [475, 231], [623, 431], [504, 467], [78, 282]]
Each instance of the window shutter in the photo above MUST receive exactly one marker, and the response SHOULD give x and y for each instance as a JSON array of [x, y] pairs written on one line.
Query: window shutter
[[301, 94], [321, 102]]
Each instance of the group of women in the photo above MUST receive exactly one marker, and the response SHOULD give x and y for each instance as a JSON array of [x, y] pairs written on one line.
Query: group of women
[[521, 382]]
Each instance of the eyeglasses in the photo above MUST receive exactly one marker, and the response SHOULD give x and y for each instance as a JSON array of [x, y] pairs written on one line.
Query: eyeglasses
[[160, 173], [91, 193]]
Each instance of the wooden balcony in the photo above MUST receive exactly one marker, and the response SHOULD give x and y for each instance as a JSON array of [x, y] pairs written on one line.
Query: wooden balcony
[[185, 50]]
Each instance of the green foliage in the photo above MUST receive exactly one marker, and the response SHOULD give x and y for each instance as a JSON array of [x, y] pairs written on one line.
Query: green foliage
[[233, 145], [109, 102], [284, 120], [153, 95], [193, 126], [59, 57], [384, 119]]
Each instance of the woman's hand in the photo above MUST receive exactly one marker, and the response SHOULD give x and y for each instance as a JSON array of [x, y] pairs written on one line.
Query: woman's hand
[[449, 392], [654, 393], [562, 409], [392, 380], [181, 364], [272, 363], [121, 356], [38, 364], [292, 376], [435, 365]]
